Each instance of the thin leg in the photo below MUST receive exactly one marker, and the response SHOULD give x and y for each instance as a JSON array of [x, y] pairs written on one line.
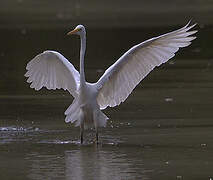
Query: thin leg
[[96, 136], [81, 134], [96, 124]]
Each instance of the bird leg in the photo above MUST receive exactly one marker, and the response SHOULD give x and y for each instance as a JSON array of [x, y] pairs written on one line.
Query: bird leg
[[81, 133], [96, 135]]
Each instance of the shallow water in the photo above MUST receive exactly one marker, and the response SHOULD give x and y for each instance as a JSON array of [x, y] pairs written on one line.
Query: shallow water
[[158, 138], [163, 131]]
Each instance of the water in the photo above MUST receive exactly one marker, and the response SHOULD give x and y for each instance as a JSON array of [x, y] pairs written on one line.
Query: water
[[163, 131], [133, 146]]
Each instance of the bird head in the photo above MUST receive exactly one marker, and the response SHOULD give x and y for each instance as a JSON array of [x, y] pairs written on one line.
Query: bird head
[[79, 30]]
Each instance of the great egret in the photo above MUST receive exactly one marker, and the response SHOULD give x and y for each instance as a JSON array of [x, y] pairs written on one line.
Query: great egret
[[52, 70]]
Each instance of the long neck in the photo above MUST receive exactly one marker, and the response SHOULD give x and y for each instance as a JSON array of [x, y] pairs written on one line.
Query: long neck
[[82, 53]]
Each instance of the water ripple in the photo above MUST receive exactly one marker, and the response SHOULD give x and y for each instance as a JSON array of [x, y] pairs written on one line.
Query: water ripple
[[18, 129]]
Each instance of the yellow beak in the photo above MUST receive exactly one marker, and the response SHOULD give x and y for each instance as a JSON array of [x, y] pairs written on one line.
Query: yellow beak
[[73, 32]]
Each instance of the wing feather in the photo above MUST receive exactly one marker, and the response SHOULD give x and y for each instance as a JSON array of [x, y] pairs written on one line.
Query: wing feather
[[122, 77], [52, 70]]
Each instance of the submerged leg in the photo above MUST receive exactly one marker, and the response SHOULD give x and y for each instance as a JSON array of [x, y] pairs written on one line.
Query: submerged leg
[[81, 125], [82, 133], [96, 133]]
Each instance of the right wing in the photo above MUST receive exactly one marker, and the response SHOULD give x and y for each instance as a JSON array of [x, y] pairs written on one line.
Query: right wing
[[52, 70], [122, 77]]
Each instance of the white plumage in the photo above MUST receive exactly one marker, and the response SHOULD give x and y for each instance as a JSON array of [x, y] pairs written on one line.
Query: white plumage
[[52, 70], [123, 76]]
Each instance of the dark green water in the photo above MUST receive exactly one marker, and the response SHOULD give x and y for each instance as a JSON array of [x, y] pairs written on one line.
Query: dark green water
[[163, 131]]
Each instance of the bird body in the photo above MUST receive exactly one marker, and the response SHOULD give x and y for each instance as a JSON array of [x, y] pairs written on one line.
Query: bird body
[[86, 104], [52, 70]]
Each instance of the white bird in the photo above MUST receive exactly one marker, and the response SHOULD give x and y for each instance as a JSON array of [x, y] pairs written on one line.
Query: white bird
[[52, 70]]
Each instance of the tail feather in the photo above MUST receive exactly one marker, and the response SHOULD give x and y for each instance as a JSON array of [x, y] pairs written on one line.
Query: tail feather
[[72, 117], [72, 107], [73, 111], [75, 114], [102, 119]]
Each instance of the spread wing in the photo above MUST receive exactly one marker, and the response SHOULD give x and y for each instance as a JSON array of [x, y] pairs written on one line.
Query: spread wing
[[122, 77], [52, 70]]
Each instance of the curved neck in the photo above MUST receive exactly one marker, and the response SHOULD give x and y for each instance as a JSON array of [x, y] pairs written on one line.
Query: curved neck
[[82, 53]]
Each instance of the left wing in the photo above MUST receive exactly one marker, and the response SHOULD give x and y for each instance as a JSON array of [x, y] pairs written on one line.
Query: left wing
[[52, 70], [122, 77]]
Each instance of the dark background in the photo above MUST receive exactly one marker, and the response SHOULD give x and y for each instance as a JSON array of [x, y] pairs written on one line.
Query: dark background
[[28, 27], [107, 14]]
